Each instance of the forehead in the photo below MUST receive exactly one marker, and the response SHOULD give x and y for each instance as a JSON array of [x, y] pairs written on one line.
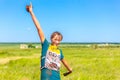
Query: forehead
[[57, 36]]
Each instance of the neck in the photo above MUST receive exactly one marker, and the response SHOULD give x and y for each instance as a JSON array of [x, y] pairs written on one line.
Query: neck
[[54, 44]]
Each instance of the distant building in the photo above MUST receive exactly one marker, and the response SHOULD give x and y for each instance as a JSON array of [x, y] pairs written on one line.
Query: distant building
[[37, 47], [103, 45], [23, 46]]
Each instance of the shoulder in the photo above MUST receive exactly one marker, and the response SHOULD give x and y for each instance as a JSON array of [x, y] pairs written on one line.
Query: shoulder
[[61, 53], [45, 43], [60, 50]]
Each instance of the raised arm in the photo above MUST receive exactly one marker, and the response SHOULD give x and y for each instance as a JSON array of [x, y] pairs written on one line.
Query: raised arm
[[37, 24]]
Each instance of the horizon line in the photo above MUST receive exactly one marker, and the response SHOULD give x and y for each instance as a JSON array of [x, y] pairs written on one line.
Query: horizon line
[[62, 42]]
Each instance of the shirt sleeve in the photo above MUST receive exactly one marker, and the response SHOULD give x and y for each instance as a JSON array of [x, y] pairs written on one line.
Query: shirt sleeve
[[45, 46], [45, 43], [61, 55]]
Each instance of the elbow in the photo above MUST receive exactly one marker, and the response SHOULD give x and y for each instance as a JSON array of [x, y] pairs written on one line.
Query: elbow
[[70, 70]]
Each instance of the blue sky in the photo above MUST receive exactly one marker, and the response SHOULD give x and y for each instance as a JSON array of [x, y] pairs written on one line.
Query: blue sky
[[77, 20]]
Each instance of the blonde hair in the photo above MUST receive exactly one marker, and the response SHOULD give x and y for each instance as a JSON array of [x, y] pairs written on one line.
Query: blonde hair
[[56, 33]]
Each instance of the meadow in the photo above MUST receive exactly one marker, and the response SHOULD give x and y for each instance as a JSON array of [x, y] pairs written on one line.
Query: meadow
[[89, 62]]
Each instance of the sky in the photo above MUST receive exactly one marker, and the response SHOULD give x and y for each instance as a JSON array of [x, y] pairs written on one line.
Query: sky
[[77, 20]]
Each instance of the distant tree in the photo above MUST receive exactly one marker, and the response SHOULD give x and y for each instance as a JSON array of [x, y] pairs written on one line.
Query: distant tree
[[31, 46]]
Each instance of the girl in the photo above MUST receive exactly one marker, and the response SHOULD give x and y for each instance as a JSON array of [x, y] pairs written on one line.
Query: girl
[[51, 55]]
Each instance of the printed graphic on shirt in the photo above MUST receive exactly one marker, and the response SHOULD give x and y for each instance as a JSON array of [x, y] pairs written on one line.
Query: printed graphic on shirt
[[52, 58]]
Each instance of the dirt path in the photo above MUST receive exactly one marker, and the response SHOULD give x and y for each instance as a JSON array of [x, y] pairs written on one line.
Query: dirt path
[[8, 59]]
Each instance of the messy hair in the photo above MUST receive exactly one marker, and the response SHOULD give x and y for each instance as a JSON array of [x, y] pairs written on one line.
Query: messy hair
[[56, 33]]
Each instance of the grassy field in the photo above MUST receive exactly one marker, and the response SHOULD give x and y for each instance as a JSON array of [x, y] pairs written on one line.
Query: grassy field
[[88, 63]]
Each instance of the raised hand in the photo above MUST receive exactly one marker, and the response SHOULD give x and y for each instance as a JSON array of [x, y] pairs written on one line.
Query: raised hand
[[29, 8]]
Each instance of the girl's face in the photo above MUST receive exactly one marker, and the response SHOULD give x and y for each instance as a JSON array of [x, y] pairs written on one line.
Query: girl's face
[[56, 40]]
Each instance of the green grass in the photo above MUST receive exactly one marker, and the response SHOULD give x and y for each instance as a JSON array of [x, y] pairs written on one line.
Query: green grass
[[22, 69], [93, 64], [87, 64], [18, 52]]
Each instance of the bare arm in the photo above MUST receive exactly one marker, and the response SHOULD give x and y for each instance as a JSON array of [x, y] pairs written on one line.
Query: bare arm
[[67, 66], [38, 27]]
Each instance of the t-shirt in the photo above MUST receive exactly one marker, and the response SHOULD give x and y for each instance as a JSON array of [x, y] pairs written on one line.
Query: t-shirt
[[50, 61]]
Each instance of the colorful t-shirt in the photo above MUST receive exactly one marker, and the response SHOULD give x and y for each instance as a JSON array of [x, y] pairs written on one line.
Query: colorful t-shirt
[[50, 61]]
